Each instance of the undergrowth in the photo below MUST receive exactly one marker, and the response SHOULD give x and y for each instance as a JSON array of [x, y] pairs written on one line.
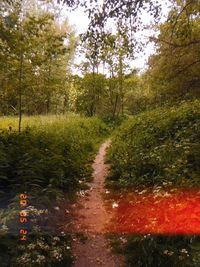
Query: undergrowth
[[157, 147], [47, 161]]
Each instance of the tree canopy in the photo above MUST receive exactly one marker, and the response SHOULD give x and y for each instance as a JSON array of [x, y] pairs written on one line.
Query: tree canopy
[[36, 54]]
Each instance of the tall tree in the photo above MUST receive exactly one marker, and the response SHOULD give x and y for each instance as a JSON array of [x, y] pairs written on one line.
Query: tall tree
[[174, 70], [37, 51]]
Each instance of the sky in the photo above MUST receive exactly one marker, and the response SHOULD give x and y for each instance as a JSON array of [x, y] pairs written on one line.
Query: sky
[[80, 22]]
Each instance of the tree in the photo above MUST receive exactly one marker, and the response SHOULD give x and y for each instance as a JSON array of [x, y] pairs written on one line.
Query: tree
[[174, 70], [91, 94], [36, 53], [114, 56]]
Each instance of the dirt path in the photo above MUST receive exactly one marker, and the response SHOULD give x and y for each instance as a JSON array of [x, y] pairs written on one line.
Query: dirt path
[[92, 217]]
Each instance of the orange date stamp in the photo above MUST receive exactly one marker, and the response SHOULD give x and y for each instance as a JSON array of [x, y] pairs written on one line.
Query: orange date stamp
[[23, 216]]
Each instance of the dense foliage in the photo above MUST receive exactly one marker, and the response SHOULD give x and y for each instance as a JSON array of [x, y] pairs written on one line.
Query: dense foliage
[[174, 70], [44, 250], [126, 14], [162, 251], [48, 161], [36, 51], [158, 147]]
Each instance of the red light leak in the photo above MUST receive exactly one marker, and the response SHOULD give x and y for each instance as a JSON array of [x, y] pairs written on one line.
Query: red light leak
[[156, 211]]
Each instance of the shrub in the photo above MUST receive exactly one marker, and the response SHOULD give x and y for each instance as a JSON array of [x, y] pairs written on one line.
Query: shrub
[[50, 159]]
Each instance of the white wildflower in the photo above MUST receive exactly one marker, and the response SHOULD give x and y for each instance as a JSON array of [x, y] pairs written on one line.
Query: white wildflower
[[57, 255], [56, 238], [31, 246], [166, 251], [82, 193], [184, 251], [142, 192], [114, 205], [40, 259], [4, 227]]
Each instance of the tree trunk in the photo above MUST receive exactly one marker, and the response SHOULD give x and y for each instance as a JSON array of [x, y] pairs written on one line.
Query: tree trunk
[[20, 76], [121, 84], [20, 91]]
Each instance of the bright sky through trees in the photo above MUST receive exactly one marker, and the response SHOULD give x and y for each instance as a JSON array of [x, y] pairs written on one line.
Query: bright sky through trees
[[80, 20]]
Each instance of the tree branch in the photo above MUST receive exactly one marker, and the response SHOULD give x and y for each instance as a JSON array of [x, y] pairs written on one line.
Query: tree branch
[[157, 40]]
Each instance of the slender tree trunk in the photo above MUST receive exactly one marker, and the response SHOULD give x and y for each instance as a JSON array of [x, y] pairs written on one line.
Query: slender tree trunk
[[92, 109], [65, 103], [121, 84], [20, 75], [48, 91], [115, 106], [103, 67], [20, 90]]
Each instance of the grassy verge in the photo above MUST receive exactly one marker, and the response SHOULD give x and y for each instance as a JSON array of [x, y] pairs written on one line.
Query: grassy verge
[[160, 147]]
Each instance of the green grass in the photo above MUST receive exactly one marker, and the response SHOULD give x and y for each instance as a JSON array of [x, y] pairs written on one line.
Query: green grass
[[158, 147], [37, 121]]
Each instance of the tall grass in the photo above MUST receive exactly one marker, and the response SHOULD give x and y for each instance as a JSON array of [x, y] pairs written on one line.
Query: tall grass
[[36, 121]]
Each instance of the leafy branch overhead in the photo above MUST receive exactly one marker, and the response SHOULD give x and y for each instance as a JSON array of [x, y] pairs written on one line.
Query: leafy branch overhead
[[125, 15]]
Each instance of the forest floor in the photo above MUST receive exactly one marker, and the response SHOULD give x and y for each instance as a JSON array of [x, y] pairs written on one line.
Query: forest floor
[[90, 243]]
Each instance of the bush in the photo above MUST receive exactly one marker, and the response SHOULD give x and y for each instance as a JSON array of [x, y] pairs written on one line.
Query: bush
[[158, 147], [48, 160]]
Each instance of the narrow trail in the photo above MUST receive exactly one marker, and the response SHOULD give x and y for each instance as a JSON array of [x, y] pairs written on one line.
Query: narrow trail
[[92, 217]]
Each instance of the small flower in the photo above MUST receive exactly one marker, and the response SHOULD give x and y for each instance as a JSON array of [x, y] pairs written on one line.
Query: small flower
[[142, 192], [57, 255], [184, 251], [82, 193], [56, 238], [40, 259], [31, 246], [167, 252], [114, 205], [4, 227]]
